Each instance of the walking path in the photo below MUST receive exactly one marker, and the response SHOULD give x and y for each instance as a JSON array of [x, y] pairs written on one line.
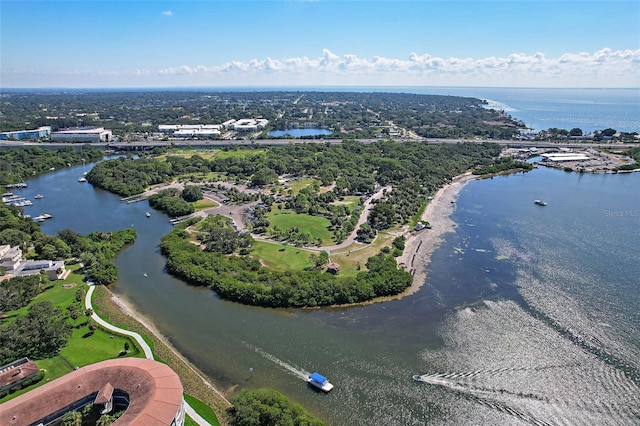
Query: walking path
[[145, 347], [364, 215]]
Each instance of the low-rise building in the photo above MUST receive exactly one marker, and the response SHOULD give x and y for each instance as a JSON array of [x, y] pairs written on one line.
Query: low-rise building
[[149, 393], [191, 130], [10, 257], [54, 269], [249, 124], [40, 133], [82, 134], [14, 373], [11, 260]]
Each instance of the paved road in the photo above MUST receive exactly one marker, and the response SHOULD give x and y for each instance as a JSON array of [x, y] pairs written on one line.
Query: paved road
[[144, 145], [364, 215], [145, 347]]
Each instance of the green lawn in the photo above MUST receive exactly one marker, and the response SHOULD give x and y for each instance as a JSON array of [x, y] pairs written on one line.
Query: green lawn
[[316, 226], [188, 153], [281, 257], [349, 258], [203, 409], [241, 153], [204, 204], [300, 184], [81, 348], [57, 294], [351, 201]]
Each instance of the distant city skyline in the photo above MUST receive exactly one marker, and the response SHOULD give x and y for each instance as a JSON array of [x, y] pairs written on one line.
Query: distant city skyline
[[279, 43]]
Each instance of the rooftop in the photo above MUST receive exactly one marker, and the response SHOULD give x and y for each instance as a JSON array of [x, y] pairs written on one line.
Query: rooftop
[[154, 389]]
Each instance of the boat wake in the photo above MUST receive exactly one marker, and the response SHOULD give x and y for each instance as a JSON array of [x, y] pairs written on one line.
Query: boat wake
[[488, 396], [294, 370], [475, 386], [492, 371]]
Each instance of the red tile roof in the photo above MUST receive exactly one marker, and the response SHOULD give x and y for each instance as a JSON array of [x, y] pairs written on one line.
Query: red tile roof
[[12, 375], [154, 389], [104, 394]]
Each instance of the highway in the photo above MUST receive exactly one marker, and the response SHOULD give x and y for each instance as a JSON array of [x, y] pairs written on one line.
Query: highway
[[147, 145]]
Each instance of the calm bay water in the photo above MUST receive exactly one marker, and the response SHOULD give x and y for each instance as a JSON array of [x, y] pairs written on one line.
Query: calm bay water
[[529, 314], [543, 108]]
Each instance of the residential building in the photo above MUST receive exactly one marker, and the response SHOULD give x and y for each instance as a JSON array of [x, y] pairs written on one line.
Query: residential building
[[53, 269], [39, 133], [14, 373], [10, 257], [149, 392], [11, 260]]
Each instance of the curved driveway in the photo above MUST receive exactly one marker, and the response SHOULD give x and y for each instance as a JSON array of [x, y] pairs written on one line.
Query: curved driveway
[[145, 347]]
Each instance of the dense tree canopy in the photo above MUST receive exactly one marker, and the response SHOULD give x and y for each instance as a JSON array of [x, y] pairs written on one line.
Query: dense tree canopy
[[171, 201], [132, 114], [39, 334], [126, 176], [19, 291], [18, 164], [243, 279], [267, 407], [191, 193]]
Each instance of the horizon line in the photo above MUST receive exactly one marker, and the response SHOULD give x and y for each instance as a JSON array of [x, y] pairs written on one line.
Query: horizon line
[[280, 87]]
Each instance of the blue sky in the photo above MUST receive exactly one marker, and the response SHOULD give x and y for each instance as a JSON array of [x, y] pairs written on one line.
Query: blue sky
[[185, 43]]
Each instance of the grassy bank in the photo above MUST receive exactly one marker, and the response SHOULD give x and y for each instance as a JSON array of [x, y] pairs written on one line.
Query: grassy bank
[[192, 381], [84, 346]]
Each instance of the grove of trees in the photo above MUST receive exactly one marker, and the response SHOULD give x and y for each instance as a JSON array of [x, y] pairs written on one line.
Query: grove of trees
[[18, 164], [244, 280], [38, 334], [253, 407]]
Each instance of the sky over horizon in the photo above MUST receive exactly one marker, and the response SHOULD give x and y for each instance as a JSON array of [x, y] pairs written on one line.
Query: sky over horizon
[[314, 43]]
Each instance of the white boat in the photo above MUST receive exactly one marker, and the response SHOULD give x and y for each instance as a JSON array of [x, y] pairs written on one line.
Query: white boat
[[147, 214], [540, 202], [42, 217], [82, 179], [319, 381], [39, 197]]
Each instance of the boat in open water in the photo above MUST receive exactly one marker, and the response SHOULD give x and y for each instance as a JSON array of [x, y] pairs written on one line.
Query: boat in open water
[[319, 381], [540, 202]]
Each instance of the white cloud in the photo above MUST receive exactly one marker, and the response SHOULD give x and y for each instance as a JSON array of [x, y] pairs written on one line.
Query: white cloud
[[603, 68], [167, 13]]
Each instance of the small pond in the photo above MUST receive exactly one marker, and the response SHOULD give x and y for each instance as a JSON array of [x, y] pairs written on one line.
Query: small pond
[[297, 133]]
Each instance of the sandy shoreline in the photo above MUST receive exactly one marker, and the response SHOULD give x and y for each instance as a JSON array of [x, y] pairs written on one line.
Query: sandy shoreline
[[127, 308], [421, 244]]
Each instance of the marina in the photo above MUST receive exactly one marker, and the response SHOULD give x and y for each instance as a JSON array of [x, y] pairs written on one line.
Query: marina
[[16, 200]]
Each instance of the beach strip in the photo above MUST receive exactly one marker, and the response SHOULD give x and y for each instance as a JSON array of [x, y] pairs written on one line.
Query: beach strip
[[421, 244]]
